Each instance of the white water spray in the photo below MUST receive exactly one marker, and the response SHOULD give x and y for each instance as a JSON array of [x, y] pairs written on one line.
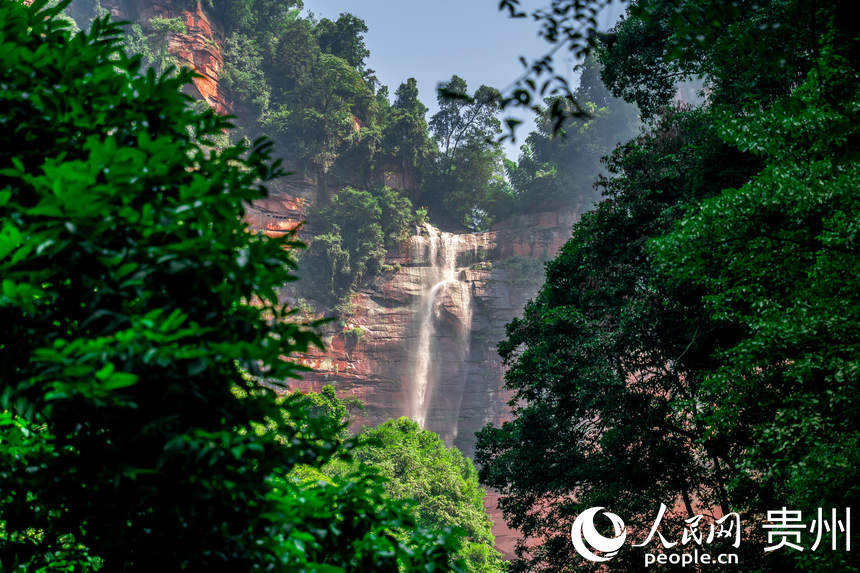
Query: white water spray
[[442, 279]]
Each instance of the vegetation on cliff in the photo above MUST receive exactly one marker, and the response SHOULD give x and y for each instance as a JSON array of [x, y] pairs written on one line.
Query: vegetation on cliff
[[359, 227], [559, 163], [304, 83]]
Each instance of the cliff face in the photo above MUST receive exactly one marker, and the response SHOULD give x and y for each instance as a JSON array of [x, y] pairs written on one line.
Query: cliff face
[[198, 48], [421, 341], [285, 208], [376, 353]]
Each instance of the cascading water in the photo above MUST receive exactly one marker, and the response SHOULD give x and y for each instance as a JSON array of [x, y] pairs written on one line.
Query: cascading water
[[441, 279]]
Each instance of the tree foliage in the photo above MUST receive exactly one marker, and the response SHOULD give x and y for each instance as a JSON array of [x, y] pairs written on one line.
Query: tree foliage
[[405, 137], [784, 393], [469, 171], [126, 281], [442, 482], [692, 344], [344, 38], [605, 376], [359, 227], [559, 165]]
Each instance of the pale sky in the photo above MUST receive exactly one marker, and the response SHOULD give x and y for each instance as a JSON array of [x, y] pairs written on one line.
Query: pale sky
[[432, 39]]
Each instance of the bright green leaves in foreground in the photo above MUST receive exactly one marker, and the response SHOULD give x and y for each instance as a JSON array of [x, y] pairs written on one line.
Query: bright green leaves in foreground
[[443, 483], [787, 243], [126, 276]]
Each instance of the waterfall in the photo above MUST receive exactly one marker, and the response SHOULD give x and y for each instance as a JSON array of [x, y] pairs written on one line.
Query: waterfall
[[441, 280]]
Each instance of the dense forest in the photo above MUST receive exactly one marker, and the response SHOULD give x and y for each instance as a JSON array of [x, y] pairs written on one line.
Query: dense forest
[[694, 343]]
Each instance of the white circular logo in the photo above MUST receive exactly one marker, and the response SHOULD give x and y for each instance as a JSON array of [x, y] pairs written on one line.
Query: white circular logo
[[582, 531]]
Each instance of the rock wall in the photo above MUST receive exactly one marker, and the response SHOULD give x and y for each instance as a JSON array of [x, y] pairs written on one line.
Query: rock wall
[[286, 207], [198, 48], [371, 355]]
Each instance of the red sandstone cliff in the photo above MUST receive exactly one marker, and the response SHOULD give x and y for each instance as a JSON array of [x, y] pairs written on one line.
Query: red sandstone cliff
[[198, 48], [371, 355], [368, 355]]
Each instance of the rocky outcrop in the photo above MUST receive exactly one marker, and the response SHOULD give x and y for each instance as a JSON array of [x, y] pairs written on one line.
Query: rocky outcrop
[[199, 47], [286, 207]]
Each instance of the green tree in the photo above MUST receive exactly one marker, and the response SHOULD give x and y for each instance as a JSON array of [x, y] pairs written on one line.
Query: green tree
[[406, 98], [264, 20], [442, 482], [463, 119], [318, 106], [778, 257], [344, 38], [559, 164], [469, 169], [127, 275], [747, 53], [679, 349], [326, 404], [243, 74], [292, 62], [406, 141], [304, 83], [604, 372]]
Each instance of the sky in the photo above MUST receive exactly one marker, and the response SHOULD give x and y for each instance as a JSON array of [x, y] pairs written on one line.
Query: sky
[[431, 40]]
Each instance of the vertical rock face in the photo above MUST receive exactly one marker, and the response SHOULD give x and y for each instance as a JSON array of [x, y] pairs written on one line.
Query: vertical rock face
[[286, 206], [198, 48], [421, 341]]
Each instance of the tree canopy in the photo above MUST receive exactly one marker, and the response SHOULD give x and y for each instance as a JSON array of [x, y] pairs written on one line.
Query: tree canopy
[[691, 343], [358, 229], [442, 482], [559, 163]]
